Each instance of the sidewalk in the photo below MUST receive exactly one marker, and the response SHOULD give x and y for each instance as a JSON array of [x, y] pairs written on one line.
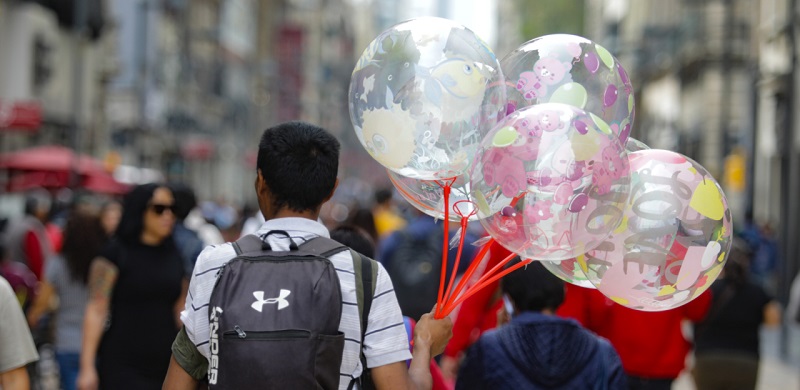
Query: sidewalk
[[775, 373]]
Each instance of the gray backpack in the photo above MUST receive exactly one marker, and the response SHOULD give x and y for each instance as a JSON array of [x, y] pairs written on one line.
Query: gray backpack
[[274, 316]]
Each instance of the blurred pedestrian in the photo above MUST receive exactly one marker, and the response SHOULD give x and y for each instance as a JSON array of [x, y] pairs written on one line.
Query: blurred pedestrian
[[652, 345], [356, 238], [252, 223], [387, 218], [413, 258], [136, 291], [65, 279], [194, 220], [28, 241], [188, 241], [364, 219], [537, 349], [16, 344], [727, 341], [110, 214]]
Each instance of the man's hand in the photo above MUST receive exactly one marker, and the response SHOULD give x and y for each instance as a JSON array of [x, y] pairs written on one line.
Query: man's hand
[[433, 333]]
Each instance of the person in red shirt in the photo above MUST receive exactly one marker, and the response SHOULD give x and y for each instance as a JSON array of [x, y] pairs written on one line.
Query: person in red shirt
[[27, 238], [651, 345]]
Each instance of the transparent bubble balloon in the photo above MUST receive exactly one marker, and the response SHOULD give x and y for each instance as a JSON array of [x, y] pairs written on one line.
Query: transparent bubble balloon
[[550, 181], [427, 196], [634, 145], [573, 70], [423, 95], [575, 270], [673, 239]]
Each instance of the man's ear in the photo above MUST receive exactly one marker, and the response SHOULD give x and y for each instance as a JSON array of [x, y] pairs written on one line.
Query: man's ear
[[261, 185], [336, 184]]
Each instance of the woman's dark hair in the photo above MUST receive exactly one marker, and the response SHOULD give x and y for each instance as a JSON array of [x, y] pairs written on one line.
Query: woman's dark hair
[[185, 200], [299, 163], [84, 236], [356, 238], [737, 267], [363, 218], [533, 287], [134, 205]]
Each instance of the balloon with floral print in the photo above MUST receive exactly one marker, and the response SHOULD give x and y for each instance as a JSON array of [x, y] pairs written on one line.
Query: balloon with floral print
[[422, 96]]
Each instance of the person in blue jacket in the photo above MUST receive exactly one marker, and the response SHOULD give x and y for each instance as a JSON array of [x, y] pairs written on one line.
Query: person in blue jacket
[[536, 349]]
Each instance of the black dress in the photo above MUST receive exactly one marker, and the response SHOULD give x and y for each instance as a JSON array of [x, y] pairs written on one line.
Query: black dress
[[135, 350]]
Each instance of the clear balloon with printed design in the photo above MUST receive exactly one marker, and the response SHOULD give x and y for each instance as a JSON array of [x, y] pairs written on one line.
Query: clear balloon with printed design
[[427, 196], [674, 237], [423, 95], [569, 69], [549, 182]]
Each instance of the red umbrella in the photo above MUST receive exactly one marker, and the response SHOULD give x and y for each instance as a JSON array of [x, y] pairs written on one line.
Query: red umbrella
[[49, 167], [48, 158]]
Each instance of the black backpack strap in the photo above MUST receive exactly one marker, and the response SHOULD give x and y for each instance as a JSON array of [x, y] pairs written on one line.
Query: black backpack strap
[[322, 246], [366, 275], [247, 244]]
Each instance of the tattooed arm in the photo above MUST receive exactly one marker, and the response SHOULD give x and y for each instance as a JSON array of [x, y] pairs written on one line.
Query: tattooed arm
[[102, 277]]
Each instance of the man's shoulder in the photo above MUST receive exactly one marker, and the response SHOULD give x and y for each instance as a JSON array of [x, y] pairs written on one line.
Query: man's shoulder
[[214, 256]]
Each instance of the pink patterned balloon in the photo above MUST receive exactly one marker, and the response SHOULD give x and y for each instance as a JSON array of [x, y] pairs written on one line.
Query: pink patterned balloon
[[674, 236], [573, 70], [561, 173]]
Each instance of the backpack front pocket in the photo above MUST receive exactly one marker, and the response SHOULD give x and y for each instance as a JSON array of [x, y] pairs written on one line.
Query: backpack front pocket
[[291, 353]]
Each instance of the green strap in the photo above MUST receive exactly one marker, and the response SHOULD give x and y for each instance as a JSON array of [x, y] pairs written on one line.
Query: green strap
[[366, 275], [360, 264]]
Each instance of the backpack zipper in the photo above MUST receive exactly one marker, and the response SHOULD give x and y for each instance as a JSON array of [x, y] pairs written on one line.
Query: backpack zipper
[[238, 333]]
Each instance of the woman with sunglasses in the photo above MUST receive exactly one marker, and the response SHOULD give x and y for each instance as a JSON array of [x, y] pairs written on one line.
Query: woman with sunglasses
[[136, 291]]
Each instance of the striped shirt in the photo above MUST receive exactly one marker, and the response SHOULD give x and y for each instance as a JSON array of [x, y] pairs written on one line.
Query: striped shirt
[[385, 340]]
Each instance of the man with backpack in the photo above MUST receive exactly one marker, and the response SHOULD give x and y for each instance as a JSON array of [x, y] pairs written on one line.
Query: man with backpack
[[288, 307]]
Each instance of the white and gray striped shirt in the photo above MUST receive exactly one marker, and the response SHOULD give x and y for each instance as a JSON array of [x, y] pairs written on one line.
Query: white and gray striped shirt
[[385, 340]]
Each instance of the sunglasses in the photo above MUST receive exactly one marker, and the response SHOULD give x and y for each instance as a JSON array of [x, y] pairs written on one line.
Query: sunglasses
[[161, 208]]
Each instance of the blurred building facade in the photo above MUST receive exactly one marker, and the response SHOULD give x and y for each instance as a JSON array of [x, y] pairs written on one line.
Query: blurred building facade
[[182, 89], [55, 62], [715, 81]]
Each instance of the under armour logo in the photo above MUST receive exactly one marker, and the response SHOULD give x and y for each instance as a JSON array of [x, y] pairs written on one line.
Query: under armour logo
[[280, 300]]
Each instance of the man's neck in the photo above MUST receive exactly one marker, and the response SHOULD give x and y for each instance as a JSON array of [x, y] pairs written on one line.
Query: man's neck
[[289, 213]]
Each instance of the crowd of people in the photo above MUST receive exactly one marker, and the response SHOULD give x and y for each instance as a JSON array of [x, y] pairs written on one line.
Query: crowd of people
[[123, 293]]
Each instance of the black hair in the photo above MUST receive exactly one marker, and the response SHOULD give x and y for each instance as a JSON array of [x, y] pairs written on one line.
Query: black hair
[[737, 267], [185, 200], [533, 287], [134, 205], [299, 163], [356, 238], [383, 195], [364, 219], [83, 238], [37, 199]]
